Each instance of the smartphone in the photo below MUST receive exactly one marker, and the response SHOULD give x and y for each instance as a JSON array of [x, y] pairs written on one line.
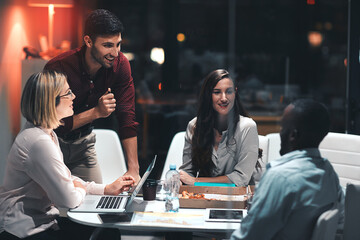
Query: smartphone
[[224, 215], [116, 217]]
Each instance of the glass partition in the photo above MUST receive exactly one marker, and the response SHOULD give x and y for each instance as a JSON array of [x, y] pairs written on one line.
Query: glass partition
[[278, 51]]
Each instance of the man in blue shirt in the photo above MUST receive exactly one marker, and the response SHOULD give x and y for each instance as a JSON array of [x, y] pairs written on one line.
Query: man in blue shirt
[[299, 186]]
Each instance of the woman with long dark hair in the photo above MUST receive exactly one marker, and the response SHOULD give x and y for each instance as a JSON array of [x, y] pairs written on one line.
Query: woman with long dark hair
[[221, 143]]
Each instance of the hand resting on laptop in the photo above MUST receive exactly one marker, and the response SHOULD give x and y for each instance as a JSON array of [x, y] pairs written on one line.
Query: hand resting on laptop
[[120, 185], [114, 204]]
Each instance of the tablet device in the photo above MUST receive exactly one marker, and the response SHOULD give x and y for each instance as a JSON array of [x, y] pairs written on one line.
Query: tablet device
[[116, 217], [224, 215]]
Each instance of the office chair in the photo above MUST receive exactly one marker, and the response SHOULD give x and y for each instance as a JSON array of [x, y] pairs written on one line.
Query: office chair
[[326, 225], [110, 155], [352, 212]]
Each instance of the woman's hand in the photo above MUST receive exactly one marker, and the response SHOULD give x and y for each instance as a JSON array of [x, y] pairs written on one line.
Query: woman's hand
[[186, 178], [119, 185], [79, 184]]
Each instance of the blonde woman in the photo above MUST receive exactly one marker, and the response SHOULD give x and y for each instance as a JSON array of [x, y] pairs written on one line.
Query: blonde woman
[[36, 178]]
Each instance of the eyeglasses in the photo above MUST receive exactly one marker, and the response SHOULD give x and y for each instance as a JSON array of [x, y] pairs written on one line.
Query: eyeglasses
[[68, 94]]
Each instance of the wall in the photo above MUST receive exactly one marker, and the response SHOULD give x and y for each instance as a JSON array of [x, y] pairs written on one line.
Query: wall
[[21, 26]]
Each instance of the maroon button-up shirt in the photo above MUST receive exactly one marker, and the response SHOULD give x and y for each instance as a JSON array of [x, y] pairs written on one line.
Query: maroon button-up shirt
[[89, 90]]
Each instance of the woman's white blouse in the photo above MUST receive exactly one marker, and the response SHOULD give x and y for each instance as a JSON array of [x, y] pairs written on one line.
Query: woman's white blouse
[[36, 180]]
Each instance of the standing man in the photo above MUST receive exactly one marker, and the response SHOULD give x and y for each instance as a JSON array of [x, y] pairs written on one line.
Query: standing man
[[100, 77], [299, 186]]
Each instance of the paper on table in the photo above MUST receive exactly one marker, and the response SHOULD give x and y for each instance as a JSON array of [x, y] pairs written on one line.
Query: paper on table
[[222, 197], [171, 219]]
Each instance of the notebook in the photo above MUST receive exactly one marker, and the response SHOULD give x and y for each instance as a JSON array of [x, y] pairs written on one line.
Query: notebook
[[108, 203]]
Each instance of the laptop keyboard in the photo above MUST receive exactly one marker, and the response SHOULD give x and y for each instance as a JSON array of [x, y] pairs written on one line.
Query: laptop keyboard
[[110, 202]]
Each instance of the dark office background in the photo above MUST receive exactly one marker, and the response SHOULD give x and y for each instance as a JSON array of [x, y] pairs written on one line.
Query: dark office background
[[277, 50]]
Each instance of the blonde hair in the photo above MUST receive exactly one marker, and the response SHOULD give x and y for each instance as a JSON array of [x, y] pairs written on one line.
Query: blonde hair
[[40, 98]]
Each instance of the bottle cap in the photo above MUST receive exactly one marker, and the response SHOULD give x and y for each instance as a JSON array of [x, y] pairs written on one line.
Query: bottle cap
[[172, 166]]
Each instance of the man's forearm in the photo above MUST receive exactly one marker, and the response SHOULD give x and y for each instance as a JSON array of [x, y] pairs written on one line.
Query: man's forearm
[[106, 105], [130, 148], [84, 118]]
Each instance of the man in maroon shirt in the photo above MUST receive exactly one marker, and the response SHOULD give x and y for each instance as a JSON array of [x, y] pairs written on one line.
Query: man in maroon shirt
[[100, 77]]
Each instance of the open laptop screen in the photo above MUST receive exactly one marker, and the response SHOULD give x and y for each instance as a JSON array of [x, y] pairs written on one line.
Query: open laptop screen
[[141, 182]]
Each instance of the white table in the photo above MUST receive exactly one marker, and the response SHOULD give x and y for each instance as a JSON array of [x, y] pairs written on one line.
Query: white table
[[92, 219]]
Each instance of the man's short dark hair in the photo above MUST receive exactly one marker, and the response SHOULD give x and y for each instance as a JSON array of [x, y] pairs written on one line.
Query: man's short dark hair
[[312, 119], [102, 22]]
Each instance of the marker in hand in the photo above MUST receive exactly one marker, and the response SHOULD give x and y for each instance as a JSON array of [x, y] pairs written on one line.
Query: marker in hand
[[107, 104]]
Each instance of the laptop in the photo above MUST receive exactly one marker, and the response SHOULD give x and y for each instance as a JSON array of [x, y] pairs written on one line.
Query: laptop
[[110, 203]]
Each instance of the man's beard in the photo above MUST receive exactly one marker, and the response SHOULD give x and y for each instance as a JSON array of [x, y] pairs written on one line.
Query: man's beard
[[99, 59]]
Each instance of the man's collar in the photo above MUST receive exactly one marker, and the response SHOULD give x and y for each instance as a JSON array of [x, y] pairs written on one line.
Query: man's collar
[[311, 152]]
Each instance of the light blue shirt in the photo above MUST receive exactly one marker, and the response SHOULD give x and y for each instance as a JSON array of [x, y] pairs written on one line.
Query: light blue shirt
[[291, 195]]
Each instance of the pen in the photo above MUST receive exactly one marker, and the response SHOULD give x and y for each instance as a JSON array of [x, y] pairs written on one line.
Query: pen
[[249, 190]]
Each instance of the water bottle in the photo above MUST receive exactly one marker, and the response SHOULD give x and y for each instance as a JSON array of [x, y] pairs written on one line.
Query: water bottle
[[172, 188]]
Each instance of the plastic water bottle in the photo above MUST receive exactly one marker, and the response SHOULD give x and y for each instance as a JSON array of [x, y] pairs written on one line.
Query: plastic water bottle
[[172, 188]]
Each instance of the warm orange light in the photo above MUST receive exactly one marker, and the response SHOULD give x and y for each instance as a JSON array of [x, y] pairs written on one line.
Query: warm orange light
[[51, 4], [55, 3], [180, 37], [159, 86], [315, 38], [14, 38], [51, 25]]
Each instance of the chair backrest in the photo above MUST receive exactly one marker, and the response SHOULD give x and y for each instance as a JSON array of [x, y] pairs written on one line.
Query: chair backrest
[[343, 151], [274, 146], [175, 153], [352, 212], [326, 225], [110, 155], [264, 145]]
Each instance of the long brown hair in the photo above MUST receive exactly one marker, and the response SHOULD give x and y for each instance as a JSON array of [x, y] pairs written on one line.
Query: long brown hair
[[203, 135]]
